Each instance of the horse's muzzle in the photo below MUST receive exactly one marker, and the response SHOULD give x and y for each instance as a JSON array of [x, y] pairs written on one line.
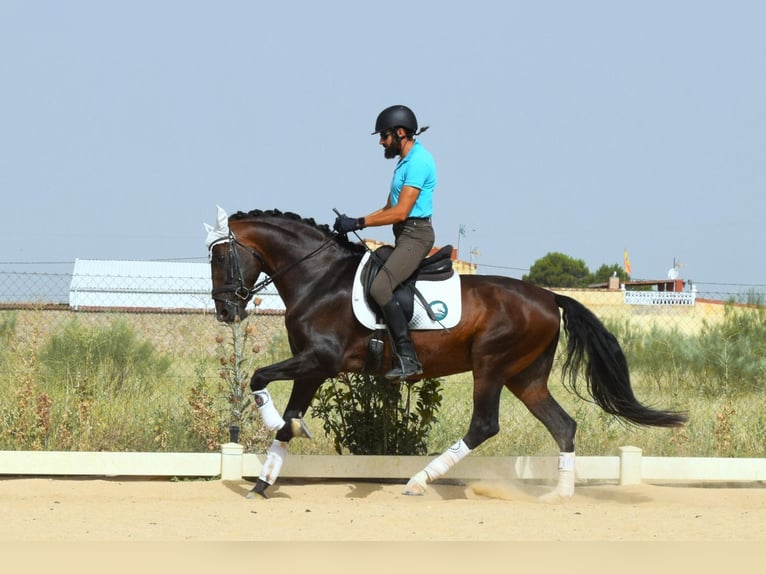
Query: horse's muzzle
[[229, 310]]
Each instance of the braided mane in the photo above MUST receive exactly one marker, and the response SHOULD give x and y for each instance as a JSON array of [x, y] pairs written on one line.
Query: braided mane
[[324, 228]]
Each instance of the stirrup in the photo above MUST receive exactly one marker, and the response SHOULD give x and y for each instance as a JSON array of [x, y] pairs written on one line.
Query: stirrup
[[407, 367]]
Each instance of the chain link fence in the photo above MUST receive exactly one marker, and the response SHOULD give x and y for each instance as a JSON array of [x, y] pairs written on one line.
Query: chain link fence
[[141, 375]]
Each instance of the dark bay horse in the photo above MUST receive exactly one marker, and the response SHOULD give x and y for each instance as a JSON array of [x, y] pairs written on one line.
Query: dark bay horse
[[507, 336]]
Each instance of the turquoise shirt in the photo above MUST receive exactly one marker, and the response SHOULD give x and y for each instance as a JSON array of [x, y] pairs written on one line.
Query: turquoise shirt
[[416, 169]]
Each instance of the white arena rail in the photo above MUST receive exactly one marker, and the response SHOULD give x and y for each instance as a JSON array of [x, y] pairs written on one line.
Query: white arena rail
[[231, 463]]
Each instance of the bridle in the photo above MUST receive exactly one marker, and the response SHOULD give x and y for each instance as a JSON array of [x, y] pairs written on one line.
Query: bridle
[[235, 280]]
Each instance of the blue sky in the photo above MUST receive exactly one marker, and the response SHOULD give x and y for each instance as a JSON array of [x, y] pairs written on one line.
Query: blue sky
[[579, 127]]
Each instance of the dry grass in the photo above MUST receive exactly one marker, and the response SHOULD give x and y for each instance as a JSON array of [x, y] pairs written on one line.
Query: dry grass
[[183, 411]]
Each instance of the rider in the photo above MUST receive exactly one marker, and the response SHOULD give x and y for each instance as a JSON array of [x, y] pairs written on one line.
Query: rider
[[409, 208]]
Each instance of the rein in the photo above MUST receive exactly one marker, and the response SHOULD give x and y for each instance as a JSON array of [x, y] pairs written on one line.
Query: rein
[[240, 290]]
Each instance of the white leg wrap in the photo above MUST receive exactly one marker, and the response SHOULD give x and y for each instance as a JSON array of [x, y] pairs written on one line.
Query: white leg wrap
[[566, 461], [449, 458], [566, 481], [565, 486], [273, 464], [268, 412], [436, 468]]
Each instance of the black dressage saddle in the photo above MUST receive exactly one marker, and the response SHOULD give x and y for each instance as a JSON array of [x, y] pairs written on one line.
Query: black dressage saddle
[[435, 267]]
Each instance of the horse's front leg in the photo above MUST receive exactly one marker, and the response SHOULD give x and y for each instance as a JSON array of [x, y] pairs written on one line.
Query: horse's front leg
[[304, 389], [301, 367], [300, 398]]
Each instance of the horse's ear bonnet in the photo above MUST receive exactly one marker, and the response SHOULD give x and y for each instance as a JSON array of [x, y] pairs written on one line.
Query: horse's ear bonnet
[[220, 231]]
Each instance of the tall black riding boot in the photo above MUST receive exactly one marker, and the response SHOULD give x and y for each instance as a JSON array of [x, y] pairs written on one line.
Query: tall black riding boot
[[405, 360]]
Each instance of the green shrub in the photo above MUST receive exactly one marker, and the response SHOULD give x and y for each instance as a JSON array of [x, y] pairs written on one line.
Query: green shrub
[[7, 327], [658, 354], [100, 359], [7, 331], [730, 357], [724, 358], [370, 415]]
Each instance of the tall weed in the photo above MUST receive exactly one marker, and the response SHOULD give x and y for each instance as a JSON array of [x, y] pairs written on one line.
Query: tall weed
[[226, 410]]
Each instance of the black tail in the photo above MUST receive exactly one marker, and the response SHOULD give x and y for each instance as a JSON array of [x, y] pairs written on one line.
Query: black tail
[[606, 370]]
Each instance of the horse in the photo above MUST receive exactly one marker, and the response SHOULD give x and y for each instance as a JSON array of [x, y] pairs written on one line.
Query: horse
[[507, 336]]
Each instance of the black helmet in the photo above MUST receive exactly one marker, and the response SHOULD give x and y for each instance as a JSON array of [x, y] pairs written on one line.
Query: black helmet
[[394, 117]]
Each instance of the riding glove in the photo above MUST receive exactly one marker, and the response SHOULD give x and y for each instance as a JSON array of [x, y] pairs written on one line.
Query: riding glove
[[344, 224]]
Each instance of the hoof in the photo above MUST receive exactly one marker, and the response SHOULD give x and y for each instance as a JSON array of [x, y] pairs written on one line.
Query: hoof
[[563, 491], [416, 486], [564, 488], [258, 490], [552, 497], [299, 429]]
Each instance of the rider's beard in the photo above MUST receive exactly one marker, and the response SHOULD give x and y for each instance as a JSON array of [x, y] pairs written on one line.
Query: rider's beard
[[390, 151]]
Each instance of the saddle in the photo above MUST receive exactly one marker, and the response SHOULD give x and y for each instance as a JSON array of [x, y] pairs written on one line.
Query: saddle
[[435, 267]]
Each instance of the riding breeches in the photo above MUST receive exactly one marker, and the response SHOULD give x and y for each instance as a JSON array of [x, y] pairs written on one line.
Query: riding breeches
[[414, 240]]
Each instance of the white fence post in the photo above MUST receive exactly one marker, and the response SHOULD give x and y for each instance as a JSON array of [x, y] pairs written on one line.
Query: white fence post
[[630, 465], [231, 461]]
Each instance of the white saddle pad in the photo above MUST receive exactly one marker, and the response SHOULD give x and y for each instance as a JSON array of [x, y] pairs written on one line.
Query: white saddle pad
[[443, 297]]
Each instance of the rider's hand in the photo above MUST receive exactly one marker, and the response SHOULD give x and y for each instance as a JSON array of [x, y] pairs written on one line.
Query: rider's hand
[[344, 224]]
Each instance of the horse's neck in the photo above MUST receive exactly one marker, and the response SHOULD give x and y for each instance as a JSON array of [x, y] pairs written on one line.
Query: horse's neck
[[311, 281], [297, 261]]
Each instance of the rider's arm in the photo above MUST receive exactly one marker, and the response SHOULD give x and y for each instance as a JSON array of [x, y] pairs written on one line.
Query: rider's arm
[[394, 214]]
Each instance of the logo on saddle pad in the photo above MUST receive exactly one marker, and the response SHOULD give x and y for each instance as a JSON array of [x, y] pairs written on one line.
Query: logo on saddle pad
[[439, 309], [443, 298]]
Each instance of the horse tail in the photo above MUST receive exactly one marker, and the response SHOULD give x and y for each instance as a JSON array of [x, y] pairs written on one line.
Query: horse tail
[[606, 369]]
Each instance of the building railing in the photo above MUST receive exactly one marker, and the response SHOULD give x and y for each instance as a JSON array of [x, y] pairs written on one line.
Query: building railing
[[660, 297]]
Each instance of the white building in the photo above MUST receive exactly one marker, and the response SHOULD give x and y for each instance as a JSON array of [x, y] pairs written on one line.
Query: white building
[[163, 285]]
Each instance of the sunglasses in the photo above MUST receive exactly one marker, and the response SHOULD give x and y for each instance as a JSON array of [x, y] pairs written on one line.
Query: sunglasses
[[385, 134]]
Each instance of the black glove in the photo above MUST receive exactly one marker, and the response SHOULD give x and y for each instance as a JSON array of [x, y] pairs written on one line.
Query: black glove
[[344, 224]]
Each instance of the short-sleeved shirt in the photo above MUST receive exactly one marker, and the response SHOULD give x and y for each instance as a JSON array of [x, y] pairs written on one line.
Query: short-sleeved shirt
[[416, 169]]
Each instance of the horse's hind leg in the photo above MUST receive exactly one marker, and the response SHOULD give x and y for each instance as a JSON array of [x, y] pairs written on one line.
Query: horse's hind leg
[[484, 425], [562, 428], [437, 467]]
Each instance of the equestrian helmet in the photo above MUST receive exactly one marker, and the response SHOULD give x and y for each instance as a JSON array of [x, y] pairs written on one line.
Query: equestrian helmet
[[394, 117]]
